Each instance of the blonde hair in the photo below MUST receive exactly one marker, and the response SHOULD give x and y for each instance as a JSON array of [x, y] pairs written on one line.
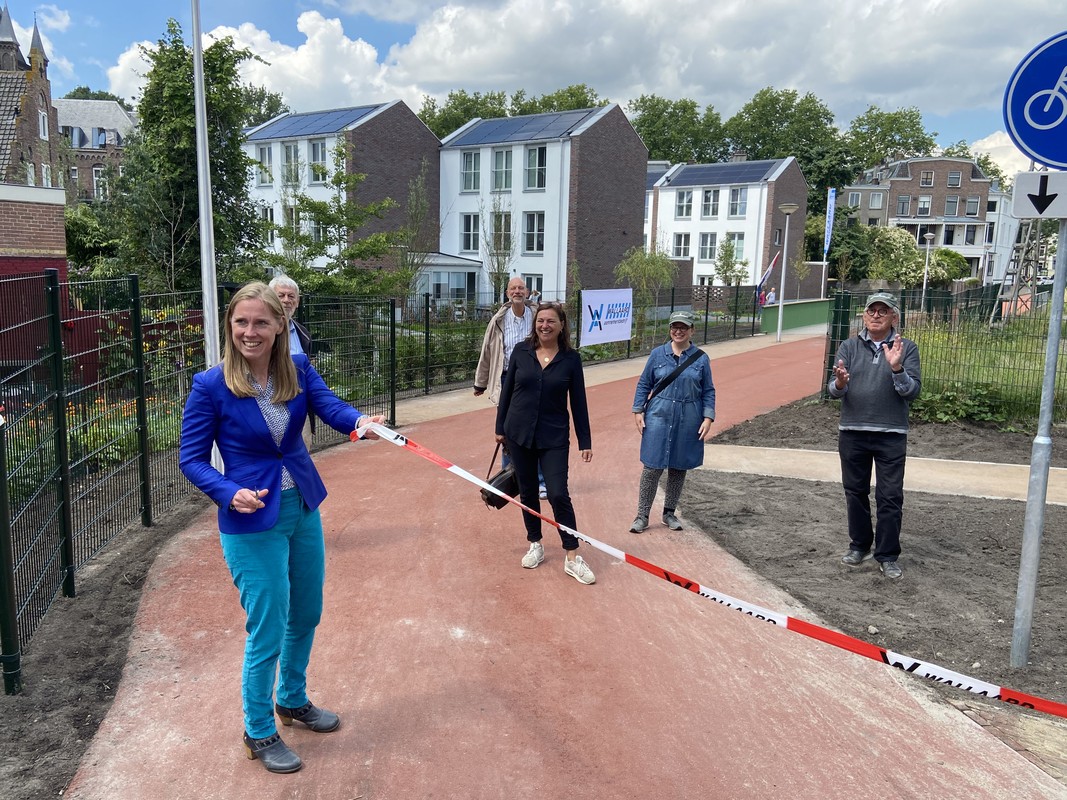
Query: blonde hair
[[235, 368]]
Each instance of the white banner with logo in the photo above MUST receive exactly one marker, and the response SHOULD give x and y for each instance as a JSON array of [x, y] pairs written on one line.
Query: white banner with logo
[[607, 315]]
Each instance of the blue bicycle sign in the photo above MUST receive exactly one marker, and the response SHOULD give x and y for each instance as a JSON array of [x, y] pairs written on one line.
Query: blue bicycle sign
[[1055, 109], [1035, 103]]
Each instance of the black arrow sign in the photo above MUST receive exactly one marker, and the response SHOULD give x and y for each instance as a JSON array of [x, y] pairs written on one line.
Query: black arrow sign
[[1042, 200]]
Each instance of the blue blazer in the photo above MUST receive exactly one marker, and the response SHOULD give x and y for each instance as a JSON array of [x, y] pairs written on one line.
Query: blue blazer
[[213, 414]]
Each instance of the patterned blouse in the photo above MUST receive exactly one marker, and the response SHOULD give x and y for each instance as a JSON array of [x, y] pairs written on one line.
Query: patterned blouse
[[276, 416]]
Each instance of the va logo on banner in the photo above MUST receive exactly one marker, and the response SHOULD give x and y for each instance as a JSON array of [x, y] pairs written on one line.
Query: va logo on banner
[[610, 315]]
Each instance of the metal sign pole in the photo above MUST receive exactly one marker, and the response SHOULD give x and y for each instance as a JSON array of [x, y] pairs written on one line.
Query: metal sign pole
[[1034, 521]]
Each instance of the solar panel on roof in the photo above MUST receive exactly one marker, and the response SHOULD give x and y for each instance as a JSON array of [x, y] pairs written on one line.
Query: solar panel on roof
[[314, 123], [522, 129], [727, 172]]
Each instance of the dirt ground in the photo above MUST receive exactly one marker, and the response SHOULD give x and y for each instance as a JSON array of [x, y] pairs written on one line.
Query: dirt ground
[[954, 606]]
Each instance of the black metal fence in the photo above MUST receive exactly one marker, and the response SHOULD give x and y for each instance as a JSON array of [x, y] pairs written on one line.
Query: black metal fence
[[93, 380], [977, 348]]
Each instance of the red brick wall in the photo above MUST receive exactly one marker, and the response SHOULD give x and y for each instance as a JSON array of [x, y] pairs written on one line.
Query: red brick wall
[[32, 229], [28, 146], [607, 198]]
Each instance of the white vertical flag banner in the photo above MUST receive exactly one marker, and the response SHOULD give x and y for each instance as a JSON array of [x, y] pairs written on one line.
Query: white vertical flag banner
[[607, 315]]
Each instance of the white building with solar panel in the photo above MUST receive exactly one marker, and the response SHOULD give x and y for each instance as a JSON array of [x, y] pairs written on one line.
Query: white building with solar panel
[[294, 153], [532, 195], [690, 209]]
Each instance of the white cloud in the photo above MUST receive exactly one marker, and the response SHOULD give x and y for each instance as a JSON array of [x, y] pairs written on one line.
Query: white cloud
[[126, 78], [944, 57], [1003, 151], [52, 18]]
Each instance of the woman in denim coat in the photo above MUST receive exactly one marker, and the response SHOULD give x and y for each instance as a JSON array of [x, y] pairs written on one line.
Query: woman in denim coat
[[676, 423]]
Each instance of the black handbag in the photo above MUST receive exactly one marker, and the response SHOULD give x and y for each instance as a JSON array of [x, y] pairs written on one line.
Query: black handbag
[[504, 480]]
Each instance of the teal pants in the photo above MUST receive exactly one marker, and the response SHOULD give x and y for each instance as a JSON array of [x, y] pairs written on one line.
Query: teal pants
[[279, 574]]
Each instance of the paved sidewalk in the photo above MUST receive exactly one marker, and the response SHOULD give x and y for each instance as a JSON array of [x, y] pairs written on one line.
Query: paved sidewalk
[[458, 674]]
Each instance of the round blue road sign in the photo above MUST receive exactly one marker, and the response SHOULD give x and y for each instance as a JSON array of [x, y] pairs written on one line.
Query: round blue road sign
[[1035, 103]]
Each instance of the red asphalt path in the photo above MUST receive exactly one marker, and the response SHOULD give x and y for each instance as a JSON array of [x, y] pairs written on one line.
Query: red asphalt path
[[458, 674]]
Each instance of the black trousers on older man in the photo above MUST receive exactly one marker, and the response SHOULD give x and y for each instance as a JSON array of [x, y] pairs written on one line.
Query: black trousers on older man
[[886, 453]]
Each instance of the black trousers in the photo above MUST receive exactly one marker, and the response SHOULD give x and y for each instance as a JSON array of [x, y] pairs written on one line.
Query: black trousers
[[886, 452], [554, 466]]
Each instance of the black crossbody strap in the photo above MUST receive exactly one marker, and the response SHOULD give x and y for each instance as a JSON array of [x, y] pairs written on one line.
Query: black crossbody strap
[[493, 461], [663, 384]]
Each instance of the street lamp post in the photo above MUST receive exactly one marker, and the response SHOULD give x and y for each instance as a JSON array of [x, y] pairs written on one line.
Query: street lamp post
[[788, 209], [929, 237]]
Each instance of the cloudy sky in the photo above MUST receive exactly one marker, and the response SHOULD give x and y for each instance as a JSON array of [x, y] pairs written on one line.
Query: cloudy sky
[[950, 58]]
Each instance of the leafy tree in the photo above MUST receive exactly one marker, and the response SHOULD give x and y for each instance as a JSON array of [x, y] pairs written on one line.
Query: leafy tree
[[459, 109], [85, 93], [850, 253], [315, 229], [157, 203], [825, 165], [895, 257], [876, 136], [675, 130], [728, 268], [498, 242], [779, 123], [647, 273], [88, 238], [988, 166], [572, 98], [262, 105]]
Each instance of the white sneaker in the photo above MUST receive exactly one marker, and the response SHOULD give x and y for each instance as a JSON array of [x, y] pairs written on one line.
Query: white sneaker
[[534, 556], [578, 570], [542, 492]]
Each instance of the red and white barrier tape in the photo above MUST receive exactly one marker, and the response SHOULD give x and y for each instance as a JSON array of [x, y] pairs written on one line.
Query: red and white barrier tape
[[923, 669]]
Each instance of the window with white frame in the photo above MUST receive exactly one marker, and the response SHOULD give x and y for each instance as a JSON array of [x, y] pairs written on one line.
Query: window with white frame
[[502, 231], [952, 205], [970, 234], [709, 206], [501, 170], [74, 177], [46, 175], [534, 282], [954, 178], [926, 177], [648, 202], [989, 236], [316, 230], [291, 164], [536, 167], [778, 236], [903, 205], [950, 235], [99, 182], [266, 171], [922, 208], [683, 204], [291, 218], [681, 245], [972, 206], [317, 161], [533, 232], [707, 247], [31, 174], [875, 200], [739, 201], [42, 116], [854, 199], [266, 217], [470, 170], [468, 242], [738, 241]]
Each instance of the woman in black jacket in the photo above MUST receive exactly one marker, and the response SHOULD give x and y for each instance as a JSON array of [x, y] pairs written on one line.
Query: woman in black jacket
[[533, 422]]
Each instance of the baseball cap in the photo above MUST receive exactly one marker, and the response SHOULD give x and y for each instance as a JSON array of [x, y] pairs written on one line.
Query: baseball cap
[[882, 297], [684, 317]]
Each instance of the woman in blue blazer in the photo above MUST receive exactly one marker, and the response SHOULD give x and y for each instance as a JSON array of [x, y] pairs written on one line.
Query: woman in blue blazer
[[544, 371], [253, 406]]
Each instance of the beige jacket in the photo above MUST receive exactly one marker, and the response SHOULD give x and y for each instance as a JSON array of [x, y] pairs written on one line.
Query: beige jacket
[[491, 361]]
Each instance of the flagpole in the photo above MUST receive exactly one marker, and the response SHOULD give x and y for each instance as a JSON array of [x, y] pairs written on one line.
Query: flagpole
[[208, 278]]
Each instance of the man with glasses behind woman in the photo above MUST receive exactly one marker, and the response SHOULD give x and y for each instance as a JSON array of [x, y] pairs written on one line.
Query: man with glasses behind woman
[[876, 376]]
